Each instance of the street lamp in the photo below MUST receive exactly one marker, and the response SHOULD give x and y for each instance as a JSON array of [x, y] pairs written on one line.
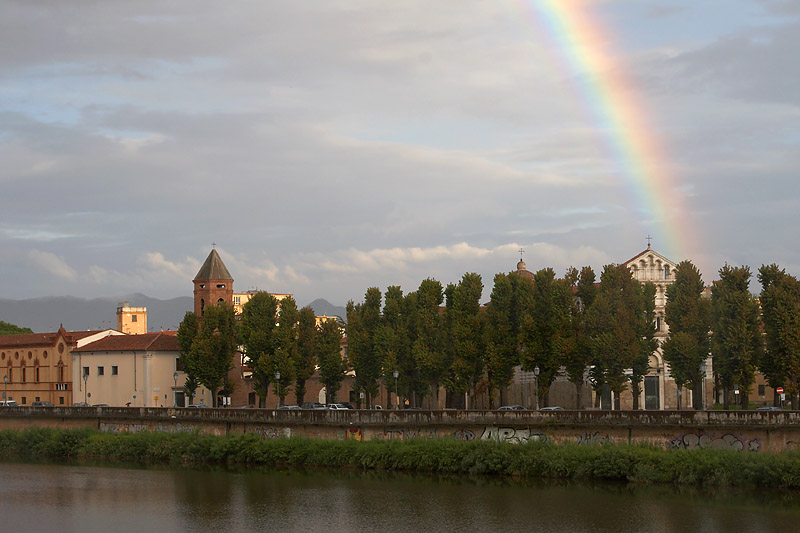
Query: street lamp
[[278, 385], [536, 385], [85, 378], [5, 384], [395, 373], [174, 391]]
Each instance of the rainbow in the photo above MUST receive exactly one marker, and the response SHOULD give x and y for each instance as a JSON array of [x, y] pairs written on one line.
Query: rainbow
[[613, 99]]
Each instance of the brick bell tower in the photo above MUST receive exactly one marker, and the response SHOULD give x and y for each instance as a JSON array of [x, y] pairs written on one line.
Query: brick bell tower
[[212, 284]]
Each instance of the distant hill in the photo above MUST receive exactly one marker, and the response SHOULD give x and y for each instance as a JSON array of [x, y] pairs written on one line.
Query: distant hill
[[324, 307], [78, 314]]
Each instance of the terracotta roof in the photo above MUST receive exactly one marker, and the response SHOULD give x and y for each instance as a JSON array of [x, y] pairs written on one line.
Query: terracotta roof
[[28, 339], [162, 341], [213, 268]]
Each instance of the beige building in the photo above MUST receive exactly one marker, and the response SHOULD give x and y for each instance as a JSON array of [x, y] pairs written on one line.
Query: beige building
[[38, 366], [131, 320], [241, 298], [132, 370]]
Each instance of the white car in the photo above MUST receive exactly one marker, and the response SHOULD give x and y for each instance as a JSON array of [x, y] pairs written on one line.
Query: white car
[[8, 403], [337, 407]]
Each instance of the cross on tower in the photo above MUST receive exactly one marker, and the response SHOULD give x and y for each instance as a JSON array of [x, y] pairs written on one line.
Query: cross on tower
[[521, 251], [213, 245]]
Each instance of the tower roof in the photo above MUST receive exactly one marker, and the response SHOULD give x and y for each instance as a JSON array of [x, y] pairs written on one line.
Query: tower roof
[[213, 268]]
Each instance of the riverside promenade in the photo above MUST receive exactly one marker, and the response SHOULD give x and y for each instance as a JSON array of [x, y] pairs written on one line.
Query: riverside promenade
[[749, 431]]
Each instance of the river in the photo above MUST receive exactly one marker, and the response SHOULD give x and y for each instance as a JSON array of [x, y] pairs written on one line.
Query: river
[[90, 498]]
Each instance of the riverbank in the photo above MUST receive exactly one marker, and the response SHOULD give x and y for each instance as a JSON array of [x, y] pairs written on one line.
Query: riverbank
[[633, 463]]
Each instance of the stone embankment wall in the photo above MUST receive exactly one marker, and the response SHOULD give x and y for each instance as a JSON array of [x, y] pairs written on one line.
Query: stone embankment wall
[[747, 431]]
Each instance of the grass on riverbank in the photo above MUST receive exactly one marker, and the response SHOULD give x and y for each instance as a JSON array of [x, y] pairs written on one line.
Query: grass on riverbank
[[636, 463]]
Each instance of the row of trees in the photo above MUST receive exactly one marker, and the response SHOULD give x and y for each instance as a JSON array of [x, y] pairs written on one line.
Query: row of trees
[[441, 337], [601, 333], [283, 346]]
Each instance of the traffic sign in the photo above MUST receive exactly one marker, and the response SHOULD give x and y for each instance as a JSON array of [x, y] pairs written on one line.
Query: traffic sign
[[779, 390]]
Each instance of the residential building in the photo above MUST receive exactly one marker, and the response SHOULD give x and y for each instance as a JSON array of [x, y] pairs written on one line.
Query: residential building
[[132, 370]]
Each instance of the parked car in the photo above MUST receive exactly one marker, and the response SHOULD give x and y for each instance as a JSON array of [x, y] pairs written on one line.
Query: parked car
[[9, 403], [80, 404], [197, 406], [552, 408], [100, 405], [769, 408], [288, 407], [41, 404], [511, 408], [338, 406], [313, 405]]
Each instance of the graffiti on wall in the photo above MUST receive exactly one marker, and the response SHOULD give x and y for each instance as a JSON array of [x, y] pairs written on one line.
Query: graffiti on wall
[[590, 439], [269, 432], [464, 434], [353, 434], [139, 428], [515, 436], [727, 441], [407, 433]]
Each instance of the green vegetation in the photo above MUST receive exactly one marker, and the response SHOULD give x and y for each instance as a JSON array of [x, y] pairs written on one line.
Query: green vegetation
[[12, 329], [635, 463]]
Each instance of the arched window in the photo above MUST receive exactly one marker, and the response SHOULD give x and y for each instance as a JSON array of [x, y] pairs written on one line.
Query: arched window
[[202, 307]]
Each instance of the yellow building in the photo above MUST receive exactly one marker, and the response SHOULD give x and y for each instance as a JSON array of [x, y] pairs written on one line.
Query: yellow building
[[131, 320], [241, 298], [38, 366]]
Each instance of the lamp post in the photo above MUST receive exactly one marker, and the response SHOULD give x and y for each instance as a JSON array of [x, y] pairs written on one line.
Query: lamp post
[[395, 373], [536, 385], [85, 378], [736, 392], [5, 390], [703, 367], [174, 391], [278, 385]]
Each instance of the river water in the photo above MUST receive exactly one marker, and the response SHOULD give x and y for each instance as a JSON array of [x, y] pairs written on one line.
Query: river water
[[90, 498]]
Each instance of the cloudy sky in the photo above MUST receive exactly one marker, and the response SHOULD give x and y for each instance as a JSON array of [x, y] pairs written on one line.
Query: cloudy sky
[[329, 146]]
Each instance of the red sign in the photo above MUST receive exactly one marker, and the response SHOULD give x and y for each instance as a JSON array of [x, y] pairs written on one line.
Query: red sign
[[779, 390]]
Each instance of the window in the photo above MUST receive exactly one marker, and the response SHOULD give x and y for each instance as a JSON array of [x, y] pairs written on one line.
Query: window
[[133, 318], [237, 300], [37, 399], [178, 364], [101, 371], [61, 400], [24, 400], [220, 285], [762, 390], [24, 374], [114, 370], [61, 386], [36, 374], [61, 374], [85, 371]]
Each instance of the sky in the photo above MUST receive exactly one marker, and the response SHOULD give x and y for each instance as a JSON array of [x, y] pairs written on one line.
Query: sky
[[328, 146]]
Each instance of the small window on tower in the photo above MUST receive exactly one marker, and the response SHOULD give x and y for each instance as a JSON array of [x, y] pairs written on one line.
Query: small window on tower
[[220, 285], [133, 318]]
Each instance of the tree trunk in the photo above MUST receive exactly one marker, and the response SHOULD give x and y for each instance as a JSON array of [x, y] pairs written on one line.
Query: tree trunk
[[617, 402], [697, 396], [745, 400], [578, 390], [635, 391], [726, 404], [598, 395]]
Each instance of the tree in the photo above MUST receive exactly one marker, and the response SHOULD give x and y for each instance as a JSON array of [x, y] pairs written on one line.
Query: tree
[[305, 356], [512, 295], [11, 329], [578, 354], [780, 307], [363, 321], [689, 317], [258, 332], [331, 365], [466, 337], [621, 321], [427, 351], [286, 354], [736, 344], [546, 334], [210, 356], [393, 342]]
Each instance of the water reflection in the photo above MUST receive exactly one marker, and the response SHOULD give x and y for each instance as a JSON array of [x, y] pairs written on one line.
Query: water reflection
[[89, 498]]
